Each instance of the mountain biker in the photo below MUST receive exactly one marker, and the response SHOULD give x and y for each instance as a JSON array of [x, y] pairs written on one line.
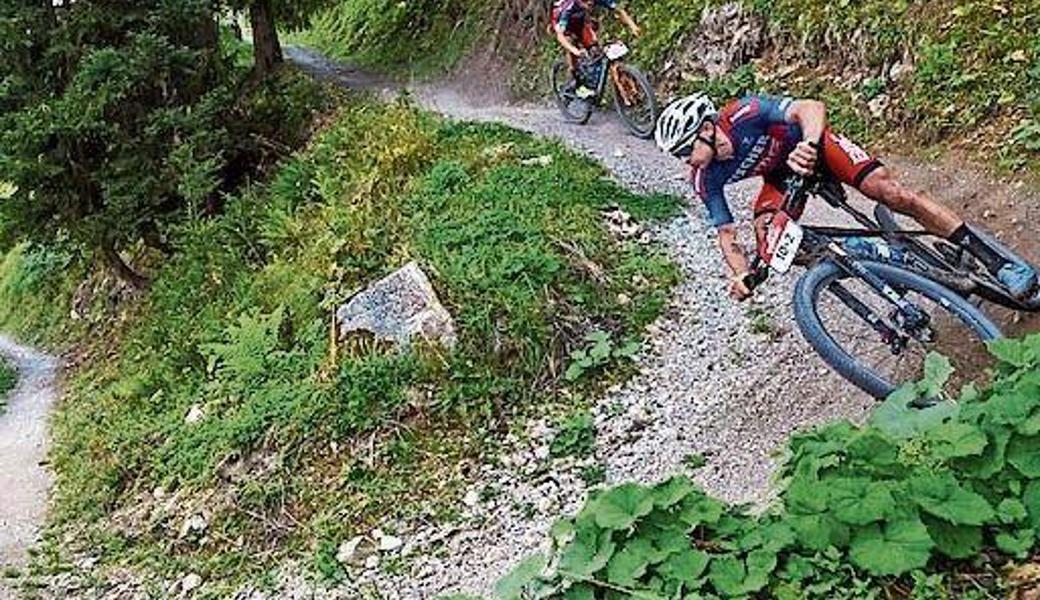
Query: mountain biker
[[775, 137], [574, 30]]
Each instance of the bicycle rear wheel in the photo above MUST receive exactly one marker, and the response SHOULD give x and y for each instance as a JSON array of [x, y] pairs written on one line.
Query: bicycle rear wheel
[[574, 109], [856, 351]]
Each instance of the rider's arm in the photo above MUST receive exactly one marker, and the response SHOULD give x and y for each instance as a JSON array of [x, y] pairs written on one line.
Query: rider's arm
[[811, 117], [628, 21], [736, 261], [722, 218], [565, 41]]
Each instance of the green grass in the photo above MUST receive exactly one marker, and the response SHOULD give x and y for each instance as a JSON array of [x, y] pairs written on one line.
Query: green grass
[[8, 380], [237, 324], [413, 38]]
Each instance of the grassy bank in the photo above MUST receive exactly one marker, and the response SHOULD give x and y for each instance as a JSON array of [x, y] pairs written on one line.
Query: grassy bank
[[8, 380], [963, 70], [409, 38], [288, 450]]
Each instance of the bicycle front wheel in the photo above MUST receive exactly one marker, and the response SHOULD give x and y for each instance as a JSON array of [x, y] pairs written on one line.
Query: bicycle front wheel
[[635, 101], [850, 346]]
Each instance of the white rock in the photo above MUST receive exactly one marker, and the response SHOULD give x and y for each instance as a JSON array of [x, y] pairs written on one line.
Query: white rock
[[372, 562], [538, 161], [398, 308], [190, 582], [619, 153], [472, 498], [389, 543], [196, 523], [195, 414], [348, 550]]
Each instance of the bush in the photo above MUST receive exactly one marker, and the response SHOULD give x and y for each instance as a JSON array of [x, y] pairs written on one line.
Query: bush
[[912, 494]]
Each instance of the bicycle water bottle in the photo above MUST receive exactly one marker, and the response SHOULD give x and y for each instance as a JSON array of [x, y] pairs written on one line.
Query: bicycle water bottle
[[874, 249]]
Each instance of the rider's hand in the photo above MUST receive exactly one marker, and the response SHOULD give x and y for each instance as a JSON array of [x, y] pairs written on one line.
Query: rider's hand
[[802, 159], [738, 290], [582, 53]]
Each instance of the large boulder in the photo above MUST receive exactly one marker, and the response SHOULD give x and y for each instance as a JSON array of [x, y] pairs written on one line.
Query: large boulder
[[399, 308]]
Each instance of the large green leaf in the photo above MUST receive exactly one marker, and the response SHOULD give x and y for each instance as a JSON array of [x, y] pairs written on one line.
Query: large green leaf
[[955, 440], [620, 507], [896, 417], [1016, 543], [630, 563], [943, 497], [1024, 454], [525, 576], [1011, 510], [1017, 353], [760, 565], [698, 509], [937, 371], [898, 547], [955, 541], [587, 553], [992, 459], [859, 501], [674, 490], [1031, 500], [727, 574], [686, 566]]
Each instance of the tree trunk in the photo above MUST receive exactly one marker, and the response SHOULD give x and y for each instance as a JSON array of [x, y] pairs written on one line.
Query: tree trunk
[[267, 50], [119, 267]]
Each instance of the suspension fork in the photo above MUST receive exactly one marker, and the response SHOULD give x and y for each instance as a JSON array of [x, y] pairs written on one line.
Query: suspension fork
[[916, 320], [615, 78]]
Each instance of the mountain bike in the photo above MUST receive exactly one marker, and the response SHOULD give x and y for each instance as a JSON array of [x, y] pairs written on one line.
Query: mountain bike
[[872, 312], [634, 97]]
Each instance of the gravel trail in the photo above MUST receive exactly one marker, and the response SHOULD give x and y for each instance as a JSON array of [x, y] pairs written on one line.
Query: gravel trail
[[24, 481], [706, 385]]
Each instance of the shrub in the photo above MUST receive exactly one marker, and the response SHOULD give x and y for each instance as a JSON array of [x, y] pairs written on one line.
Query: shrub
[[914, 491]]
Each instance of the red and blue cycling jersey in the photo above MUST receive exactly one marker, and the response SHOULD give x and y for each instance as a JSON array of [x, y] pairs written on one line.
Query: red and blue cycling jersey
[[762, 138], [571, 15]]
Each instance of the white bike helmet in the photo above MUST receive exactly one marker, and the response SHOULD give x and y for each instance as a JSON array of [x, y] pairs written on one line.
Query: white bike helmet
[[681, 120]]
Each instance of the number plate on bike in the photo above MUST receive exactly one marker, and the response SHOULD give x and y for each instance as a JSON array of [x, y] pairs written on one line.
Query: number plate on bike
[[616, 50], [785, 248]]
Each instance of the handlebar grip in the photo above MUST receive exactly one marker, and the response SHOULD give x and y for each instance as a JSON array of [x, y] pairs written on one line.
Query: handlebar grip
[[756, 276]]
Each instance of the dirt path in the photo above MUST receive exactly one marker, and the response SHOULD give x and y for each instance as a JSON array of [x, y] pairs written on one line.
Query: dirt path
[[24, 480]]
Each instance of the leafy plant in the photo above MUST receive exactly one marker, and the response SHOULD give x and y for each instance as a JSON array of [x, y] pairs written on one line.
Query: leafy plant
[[599, 351], [575, 436], [860, 505]]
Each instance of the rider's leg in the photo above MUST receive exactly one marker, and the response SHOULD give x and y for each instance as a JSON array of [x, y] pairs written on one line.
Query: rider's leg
[[881, 186]]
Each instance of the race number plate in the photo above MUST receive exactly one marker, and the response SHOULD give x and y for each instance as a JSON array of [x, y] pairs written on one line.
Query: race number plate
[[785, 246], [616, 50]]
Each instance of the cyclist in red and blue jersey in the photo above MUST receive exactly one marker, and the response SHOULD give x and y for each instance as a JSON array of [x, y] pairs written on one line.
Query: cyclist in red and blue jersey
[[573, 26], [775, 137]]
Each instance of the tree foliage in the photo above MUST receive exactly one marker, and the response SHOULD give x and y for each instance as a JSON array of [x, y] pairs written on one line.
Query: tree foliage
[[117, 118]]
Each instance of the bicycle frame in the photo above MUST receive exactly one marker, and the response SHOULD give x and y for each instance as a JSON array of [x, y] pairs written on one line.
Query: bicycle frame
[[819, 244]]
